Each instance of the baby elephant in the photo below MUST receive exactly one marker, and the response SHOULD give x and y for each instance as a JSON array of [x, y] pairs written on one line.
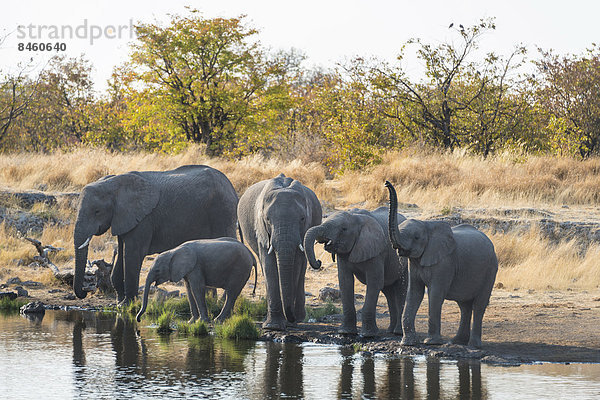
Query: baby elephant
[[221, 263], [456, 263]]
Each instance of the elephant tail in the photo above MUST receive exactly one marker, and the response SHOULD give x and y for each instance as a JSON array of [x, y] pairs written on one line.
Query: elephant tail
[[254, 264], [239, 228]]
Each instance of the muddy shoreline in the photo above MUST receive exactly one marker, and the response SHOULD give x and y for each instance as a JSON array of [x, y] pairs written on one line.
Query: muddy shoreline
[[520, 327]]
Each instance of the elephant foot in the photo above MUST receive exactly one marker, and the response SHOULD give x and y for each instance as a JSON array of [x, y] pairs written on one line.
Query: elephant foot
[[462, 340], [370, 332], [125, 302], [475, 342], [409, 340], [433, 340], [347, 330], [275, 323]]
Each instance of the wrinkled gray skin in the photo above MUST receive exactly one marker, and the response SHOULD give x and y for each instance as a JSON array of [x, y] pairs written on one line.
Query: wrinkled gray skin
[[456, 263], [221, 263], [274, 215], [360, 241], [151, 212]]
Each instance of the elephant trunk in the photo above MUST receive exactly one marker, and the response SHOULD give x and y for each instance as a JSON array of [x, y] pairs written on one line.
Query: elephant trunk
[[149, 280], [314, 233], [393, 218], [285, 254], [81, 243]]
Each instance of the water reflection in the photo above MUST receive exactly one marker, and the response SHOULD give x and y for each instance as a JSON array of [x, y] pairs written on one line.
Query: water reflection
[[94, 355]]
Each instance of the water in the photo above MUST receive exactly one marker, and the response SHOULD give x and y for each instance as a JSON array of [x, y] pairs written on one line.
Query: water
[[101, 356]]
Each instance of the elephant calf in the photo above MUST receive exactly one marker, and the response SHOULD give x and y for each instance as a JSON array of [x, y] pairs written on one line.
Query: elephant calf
[[456, 263], [359, 239], [222, 263]]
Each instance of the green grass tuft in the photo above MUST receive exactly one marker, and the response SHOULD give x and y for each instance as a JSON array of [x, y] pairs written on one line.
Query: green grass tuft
[[255, 309], [164, 322], [10, 305], [198, 328], [238, 327], [318, 313]]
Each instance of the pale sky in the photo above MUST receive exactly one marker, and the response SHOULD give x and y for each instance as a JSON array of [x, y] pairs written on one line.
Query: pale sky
[[326, 31]]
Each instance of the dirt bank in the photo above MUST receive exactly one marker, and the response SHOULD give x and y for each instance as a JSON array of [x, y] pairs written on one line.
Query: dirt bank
[[519, 327]]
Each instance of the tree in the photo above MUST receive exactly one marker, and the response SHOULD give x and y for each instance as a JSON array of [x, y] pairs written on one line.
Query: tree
[[571, 94], [205, 72], [427, 109]]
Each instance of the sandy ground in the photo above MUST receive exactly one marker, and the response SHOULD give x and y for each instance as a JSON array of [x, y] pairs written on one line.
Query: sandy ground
[[519, 326]]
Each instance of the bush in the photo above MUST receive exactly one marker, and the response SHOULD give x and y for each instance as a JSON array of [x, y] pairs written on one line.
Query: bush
[[198, 328], [11, 305], [317, 313], [164, 322], [238, 327], [255, 309]]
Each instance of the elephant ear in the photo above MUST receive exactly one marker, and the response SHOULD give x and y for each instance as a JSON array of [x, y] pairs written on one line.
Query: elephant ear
[[182, 262], [441, 243], [135, 198], [371, 240]]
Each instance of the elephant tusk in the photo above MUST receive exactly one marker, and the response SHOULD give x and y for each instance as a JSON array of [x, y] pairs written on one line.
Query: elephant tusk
[[301, 247], [329, 243], [85, 244], [270, 249]]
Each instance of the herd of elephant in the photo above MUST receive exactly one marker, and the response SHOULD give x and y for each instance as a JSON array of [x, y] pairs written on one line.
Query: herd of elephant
[[190, 214]]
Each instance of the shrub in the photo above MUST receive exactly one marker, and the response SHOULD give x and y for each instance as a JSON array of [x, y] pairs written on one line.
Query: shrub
[[198, 328], [255, 309], [11, 305], [238, 327], [164, 322], [319, 312]]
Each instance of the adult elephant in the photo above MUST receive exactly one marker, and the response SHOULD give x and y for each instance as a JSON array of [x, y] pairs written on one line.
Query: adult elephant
[[360, 241], [274, 215], [456, 263], [151, 212]]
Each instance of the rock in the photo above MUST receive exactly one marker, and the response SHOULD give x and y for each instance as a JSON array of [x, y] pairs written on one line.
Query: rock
[[33, 308], [329, 294], [359, 296], [8, 295], [54, 291], [32, 284], [69, 296], [14, 281], [499, 285], [21, 292], [308, 294]]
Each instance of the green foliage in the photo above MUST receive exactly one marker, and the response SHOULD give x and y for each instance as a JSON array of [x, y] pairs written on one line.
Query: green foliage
[[164, 322], [254, 309], [10, 305], [214, 304], [197, 328], [317, 313], [238, 327]]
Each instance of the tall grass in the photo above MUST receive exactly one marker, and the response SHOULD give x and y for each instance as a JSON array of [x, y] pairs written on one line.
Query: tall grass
[[433, 180]]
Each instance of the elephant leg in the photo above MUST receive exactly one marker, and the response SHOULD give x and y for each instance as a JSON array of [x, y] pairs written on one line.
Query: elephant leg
[[300, 301], [135, 248], [462, 336], [391, 295], [346, 281], [479, 306], [116, 276], [436, 300], [414, 297], [230, 298], [275, 319], [369, 310], [192, 300]]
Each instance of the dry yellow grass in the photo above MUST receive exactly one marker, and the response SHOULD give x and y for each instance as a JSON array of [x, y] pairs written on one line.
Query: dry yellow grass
[[431, 180]]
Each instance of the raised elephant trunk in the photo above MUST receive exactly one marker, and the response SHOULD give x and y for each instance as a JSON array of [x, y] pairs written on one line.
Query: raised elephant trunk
[[314, 233], [149, 280], [81, 253], [393, 218]]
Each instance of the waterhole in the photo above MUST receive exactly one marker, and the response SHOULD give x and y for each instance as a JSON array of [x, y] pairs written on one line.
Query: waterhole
[[74, 354]]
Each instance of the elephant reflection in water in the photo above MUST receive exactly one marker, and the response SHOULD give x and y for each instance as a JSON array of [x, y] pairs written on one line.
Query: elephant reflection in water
[[399, 380], [283, 373]]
